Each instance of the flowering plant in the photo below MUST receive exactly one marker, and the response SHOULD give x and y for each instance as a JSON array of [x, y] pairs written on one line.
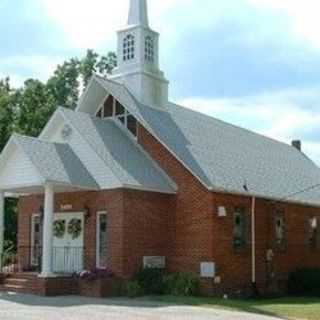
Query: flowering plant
[[95, 274]]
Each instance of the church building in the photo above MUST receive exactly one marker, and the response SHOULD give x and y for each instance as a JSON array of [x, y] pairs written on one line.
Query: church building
[[130, 179]]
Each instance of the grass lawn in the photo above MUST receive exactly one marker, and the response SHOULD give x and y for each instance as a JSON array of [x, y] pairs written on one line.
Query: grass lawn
[[286, 308]]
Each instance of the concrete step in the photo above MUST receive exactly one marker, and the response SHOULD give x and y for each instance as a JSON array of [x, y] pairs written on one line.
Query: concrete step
[[17, 280], [21, 283], [28, 276], [17, 289]]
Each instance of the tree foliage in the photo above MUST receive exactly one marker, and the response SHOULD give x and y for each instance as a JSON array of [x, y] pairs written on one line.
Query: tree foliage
[[26, 110]]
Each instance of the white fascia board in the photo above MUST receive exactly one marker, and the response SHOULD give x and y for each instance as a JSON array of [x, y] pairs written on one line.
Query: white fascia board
[[146, 189], [92, 83], [65, 184], [84, 94]]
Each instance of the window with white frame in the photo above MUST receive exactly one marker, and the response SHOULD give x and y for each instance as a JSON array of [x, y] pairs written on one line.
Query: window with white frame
[[128, 47], [112, 108], [149, 49]]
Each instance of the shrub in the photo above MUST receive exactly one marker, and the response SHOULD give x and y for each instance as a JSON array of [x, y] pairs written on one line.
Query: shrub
[[151, 280], [134, 289], [181, 284], [305, 282]]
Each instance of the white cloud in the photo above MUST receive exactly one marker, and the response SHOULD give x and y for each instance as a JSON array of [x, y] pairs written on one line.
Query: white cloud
[[303, 13], [280, 115], [93, 24], [20, 68]]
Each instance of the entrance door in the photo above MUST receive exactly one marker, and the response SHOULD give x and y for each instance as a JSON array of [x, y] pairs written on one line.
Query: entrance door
[[102, 226], [68, 242]]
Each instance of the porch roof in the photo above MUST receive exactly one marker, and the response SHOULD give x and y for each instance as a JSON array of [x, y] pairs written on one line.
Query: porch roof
[[28, 163]]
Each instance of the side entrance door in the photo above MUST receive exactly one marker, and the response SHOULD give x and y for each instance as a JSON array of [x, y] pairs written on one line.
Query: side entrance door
[[68, 250]]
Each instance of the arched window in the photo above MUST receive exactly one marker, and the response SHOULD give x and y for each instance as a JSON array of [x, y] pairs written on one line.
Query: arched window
[[149, 49], [128, 47]]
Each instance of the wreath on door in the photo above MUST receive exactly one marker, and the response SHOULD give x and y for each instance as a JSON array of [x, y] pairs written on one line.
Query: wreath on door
[[75, 228], [59, 228]]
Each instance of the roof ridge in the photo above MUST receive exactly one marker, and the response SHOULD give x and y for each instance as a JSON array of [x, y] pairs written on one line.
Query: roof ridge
[[17, 135]]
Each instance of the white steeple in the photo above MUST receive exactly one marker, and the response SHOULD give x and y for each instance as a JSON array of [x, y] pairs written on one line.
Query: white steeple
[[138, 14], [138, 59]]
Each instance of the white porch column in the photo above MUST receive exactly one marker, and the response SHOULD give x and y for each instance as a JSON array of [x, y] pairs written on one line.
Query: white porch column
[[2, 199], [47, 248]]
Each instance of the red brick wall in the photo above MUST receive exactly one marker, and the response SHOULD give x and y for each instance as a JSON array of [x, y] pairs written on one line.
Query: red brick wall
[[198, 234], [191, 225], [146, 232], [137, 224]]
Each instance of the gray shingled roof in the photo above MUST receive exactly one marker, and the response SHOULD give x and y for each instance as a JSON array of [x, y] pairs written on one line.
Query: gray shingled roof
[[56, 162], [129, 163], [225, 157]]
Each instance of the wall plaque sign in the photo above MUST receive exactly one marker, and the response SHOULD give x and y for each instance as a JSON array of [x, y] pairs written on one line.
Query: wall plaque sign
[[207, 269], [154, 262], [66, 207]]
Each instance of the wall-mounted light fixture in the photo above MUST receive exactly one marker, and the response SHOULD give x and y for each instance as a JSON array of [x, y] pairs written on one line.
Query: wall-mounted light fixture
[[222, 211]]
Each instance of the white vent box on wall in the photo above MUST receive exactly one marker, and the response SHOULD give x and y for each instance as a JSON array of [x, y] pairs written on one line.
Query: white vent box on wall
[[154, 262], [222, 211], [207, 269]]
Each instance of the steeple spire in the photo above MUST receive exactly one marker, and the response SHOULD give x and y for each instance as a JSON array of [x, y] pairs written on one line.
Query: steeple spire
[[138, 59], [138, 14]]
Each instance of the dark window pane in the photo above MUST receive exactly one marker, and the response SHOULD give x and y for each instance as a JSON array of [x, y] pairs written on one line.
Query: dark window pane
[[108, 107], [122, 119], [239, 228], [99, 113], [119, 109], [103, 226], [132, 125]]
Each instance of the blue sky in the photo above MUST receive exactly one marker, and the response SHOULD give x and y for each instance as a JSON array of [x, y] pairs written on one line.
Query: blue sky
[[255, 63]]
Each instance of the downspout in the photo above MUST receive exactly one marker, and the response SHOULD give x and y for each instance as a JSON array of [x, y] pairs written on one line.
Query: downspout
[[253, 246]]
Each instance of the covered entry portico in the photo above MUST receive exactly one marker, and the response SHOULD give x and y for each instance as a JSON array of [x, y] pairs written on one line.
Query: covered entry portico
[[33, 167]]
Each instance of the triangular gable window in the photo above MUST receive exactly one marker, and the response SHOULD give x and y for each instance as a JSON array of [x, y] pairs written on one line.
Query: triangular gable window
[[112, 108]]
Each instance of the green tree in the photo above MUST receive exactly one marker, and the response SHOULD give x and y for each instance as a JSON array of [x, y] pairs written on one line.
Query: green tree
[[7, 118], [107, 64], [88, 66], [35, 104], [93, 63], [64, 84], [7, 112]]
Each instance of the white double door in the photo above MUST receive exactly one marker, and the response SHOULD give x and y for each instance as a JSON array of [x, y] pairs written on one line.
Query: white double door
[[68, 249]]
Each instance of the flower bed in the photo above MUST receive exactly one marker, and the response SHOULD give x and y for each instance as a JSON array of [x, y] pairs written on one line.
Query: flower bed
[[97, 283]]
